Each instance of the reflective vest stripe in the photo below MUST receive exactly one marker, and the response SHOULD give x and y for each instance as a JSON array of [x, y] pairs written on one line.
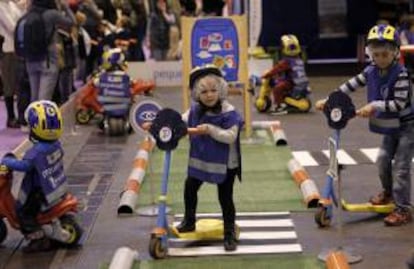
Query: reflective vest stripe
[[207, 167]]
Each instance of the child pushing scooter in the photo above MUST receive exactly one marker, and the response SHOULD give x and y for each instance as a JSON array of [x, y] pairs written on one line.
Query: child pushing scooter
[[214, 128], [390, 110]]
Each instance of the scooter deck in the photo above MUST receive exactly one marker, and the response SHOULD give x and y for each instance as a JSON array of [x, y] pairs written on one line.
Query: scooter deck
[[206, 229], [368, 207]]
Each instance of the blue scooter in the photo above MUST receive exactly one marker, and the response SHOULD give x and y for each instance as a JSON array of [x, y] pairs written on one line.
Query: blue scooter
[[338, 110]]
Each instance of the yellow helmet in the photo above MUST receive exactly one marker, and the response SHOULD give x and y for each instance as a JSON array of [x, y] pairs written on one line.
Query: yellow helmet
[[45, 120], [383, 33], [290, 45], [112, 58]]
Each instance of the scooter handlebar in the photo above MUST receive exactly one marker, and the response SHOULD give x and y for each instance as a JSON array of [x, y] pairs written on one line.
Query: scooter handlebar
[[191, 131]]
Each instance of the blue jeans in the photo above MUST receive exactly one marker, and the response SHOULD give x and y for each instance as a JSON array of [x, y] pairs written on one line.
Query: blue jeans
[[43, 77], [396, 177]]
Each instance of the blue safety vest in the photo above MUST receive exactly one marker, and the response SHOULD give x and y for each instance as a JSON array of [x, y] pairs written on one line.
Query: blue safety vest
[[382, 88], [48, 173], [114, 93], [209, 157], [298, 76]]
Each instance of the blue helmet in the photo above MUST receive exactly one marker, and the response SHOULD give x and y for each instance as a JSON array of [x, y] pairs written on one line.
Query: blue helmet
[[45, 120]]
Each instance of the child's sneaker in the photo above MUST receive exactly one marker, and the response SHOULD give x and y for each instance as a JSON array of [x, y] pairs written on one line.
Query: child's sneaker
[[398, 217], [382, 198], [279, 110], [185, 227]]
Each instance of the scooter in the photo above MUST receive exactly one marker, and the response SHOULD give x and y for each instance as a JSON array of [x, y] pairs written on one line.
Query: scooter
[[58, 223], [167, 129], [294, 102], [338, 110], [88, 106]]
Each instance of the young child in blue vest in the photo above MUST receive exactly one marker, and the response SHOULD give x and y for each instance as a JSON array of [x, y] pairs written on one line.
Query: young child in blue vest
[[390, 113], [44, 183], [113, 84], [214, 157]]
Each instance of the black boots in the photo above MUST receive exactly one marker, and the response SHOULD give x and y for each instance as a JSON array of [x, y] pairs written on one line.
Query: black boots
[[186, 227], [230, 242]]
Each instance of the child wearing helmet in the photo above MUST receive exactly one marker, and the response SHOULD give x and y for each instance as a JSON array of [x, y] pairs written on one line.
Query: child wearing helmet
[[288, 76], [390, 111], [44, 183], [113, 84], [221, 163]]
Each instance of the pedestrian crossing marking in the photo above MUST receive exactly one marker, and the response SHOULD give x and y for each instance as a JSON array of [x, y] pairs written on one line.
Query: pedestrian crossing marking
[[371, 153], [218, 250], [346, 157], [238, 214], [342, 156], [260, 233], [305, 157], [260, 223], [268, 235]]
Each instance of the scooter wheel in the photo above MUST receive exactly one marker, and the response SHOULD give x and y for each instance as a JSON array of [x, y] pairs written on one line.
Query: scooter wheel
[[116, 126], [3, 231], [83, 116], [69, 223], [156, 249], [321, 217]]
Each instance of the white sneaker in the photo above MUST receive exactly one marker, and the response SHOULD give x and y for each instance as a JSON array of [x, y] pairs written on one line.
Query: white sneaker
[[279, 110]]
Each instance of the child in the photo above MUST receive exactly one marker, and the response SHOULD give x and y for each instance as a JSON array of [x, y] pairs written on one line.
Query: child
[[288, 76], [390, 112], [44, 183], [113, 84], [215, 157]]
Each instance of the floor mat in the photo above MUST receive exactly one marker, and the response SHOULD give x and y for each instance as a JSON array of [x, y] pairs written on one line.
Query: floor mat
[[266, 183]]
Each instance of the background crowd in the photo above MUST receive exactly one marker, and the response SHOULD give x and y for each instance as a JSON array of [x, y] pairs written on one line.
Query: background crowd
[[80, 31]]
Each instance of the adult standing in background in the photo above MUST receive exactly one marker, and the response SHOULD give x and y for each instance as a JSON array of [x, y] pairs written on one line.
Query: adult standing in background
[[161, 20], [94, 16], [43, 73], [10, 13], [211, 7]]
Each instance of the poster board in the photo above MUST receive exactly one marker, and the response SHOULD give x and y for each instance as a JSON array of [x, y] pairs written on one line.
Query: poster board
[[221, 41]]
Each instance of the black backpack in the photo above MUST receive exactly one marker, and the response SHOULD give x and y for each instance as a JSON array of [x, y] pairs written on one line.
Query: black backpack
[[30, 38]]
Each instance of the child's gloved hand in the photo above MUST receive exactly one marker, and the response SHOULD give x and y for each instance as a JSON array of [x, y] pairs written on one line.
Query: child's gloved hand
[[320, 104], [365, 111]]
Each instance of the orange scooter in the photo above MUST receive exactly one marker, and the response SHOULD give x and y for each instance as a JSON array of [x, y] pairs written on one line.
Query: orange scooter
[[58, 223], [87, 104]]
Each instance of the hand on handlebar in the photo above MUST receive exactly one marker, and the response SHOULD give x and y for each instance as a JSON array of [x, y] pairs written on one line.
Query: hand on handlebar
[[320, 104], [365, 111], [199, 130]]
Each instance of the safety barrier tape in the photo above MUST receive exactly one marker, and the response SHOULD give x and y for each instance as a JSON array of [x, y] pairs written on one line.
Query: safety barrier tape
[[278, 135], [132, 187], [307, 186]]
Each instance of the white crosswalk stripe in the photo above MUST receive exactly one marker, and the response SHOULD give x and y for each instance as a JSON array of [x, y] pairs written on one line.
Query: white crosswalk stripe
[[371, 153], [260, 233], [342, 156], [347, 157]]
